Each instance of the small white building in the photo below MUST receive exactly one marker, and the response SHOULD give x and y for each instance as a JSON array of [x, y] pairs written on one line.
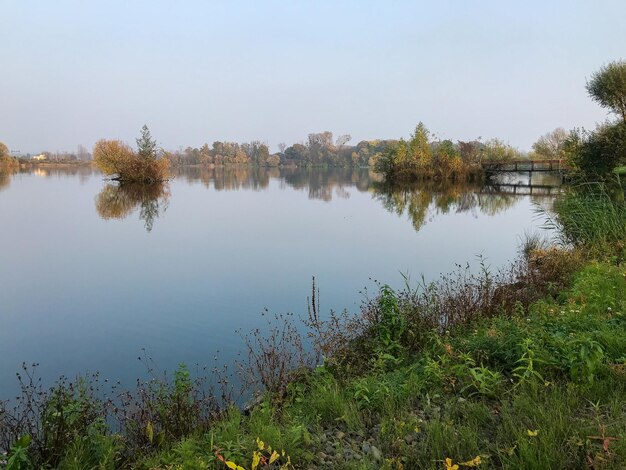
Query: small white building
[[40, 157]]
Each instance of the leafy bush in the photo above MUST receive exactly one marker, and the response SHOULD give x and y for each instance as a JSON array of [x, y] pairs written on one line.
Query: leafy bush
[[49, 421]]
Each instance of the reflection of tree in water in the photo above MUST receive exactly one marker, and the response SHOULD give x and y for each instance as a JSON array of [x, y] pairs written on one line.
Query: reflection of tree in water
[[424, 201], [230, 177], [84, 172], [117, 201], [319, 183], [5, 179]]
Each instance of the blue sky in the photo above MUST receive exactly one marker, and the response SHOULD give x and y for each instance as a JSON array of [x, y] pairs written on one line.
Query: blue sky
[[72, 72]]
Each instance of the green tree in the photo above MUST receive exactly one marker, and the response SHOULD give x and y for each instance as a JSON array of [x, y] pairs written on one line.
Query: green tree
[[146, 146], [496, 150], [608, 87], [597, 153], [446, 159], [420, 151]]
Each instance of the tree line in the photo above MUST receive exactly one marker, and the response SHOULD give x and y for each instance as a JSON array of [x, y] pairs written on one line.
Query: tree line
[[322, 149], [592, 153]]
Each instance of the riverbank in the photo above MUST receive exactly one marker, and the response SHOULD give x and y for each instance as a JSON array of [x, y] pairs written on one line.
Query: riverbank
[[539, 389], [519, 369]]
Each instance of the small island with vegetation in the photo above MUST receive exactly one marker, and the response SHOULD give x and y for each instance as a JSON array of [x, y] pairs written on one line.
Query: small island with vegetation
[[121, 163]]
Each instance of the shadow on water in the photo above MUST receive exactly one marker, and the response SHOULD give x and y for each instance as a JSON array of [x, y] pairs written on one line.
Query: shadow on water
[[118, 201]]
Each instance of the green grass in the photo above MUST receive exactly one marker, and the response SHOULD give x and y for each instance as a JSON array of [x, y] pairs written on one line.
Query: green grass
[[588, 215]]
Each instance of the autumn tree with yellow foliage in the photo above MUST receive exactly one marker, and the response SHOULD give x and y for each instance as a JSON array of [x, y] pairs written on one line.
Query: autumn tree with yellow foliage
[[5, 157]]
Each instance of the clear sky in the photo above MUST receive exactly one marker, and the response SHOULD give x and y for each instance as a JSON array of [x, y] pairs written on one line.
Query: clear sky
[[72, 72]]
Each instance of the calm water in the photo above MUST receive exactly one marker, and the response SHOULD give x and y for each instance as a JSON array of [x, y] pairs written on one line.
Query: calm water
[[91, 274]]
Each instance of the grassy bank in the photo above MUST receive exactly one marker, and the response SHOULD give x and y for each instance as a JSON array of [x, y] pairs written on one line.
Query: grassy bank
[[542, 389], [523, 368]]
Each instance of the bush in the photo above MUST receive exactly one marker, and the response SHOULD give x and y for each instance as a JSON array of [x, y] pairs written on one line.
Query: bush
[[596, 154], [51, 420]]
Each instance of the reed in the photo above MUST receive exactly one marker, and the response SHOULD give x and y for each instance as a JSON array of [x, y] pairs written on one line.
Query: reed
[[588, 215]]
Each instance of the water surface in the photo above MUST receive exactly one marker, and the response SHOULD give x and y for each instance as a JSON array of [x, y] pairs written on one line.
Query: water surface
[[90, 273]]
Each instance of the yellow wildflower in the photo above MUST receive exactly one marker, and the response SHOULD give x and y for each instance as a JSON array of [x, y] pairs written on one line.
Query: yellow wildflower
[[450, 466], [475, 462]]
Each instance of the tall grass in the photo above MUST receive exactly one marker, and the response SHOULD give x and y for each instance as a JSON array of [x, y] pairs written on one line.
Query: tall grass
[[587, 215]]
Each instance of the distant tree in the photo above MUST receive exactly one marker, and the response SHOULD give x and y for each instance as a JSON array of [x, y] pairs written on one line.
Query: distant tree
[[297, 152], [496, 149], [5, 157], [608, 87], [343, 140], [205, 154], [551, 145], [82, 153], [4, 151], [419, 147], [273, 160], [471, 152], [256, 151], [191, 156], [447, 159], [146, 146], [446, 149], [320, 147]]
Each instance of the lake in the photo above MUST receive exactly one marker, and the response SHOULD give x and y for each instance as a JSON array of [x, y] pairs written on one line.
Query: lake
[[91, 275]]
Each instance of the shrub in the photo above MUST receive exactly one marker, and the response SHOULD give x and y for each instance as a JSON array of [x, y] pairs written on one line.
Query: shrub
[[51, 420], [595, 154], [160, 410]]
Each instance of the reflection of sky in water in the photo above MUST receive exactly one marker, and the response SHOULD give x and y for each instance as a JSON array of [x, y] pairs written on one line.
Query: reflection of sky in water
[[80, 292]]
